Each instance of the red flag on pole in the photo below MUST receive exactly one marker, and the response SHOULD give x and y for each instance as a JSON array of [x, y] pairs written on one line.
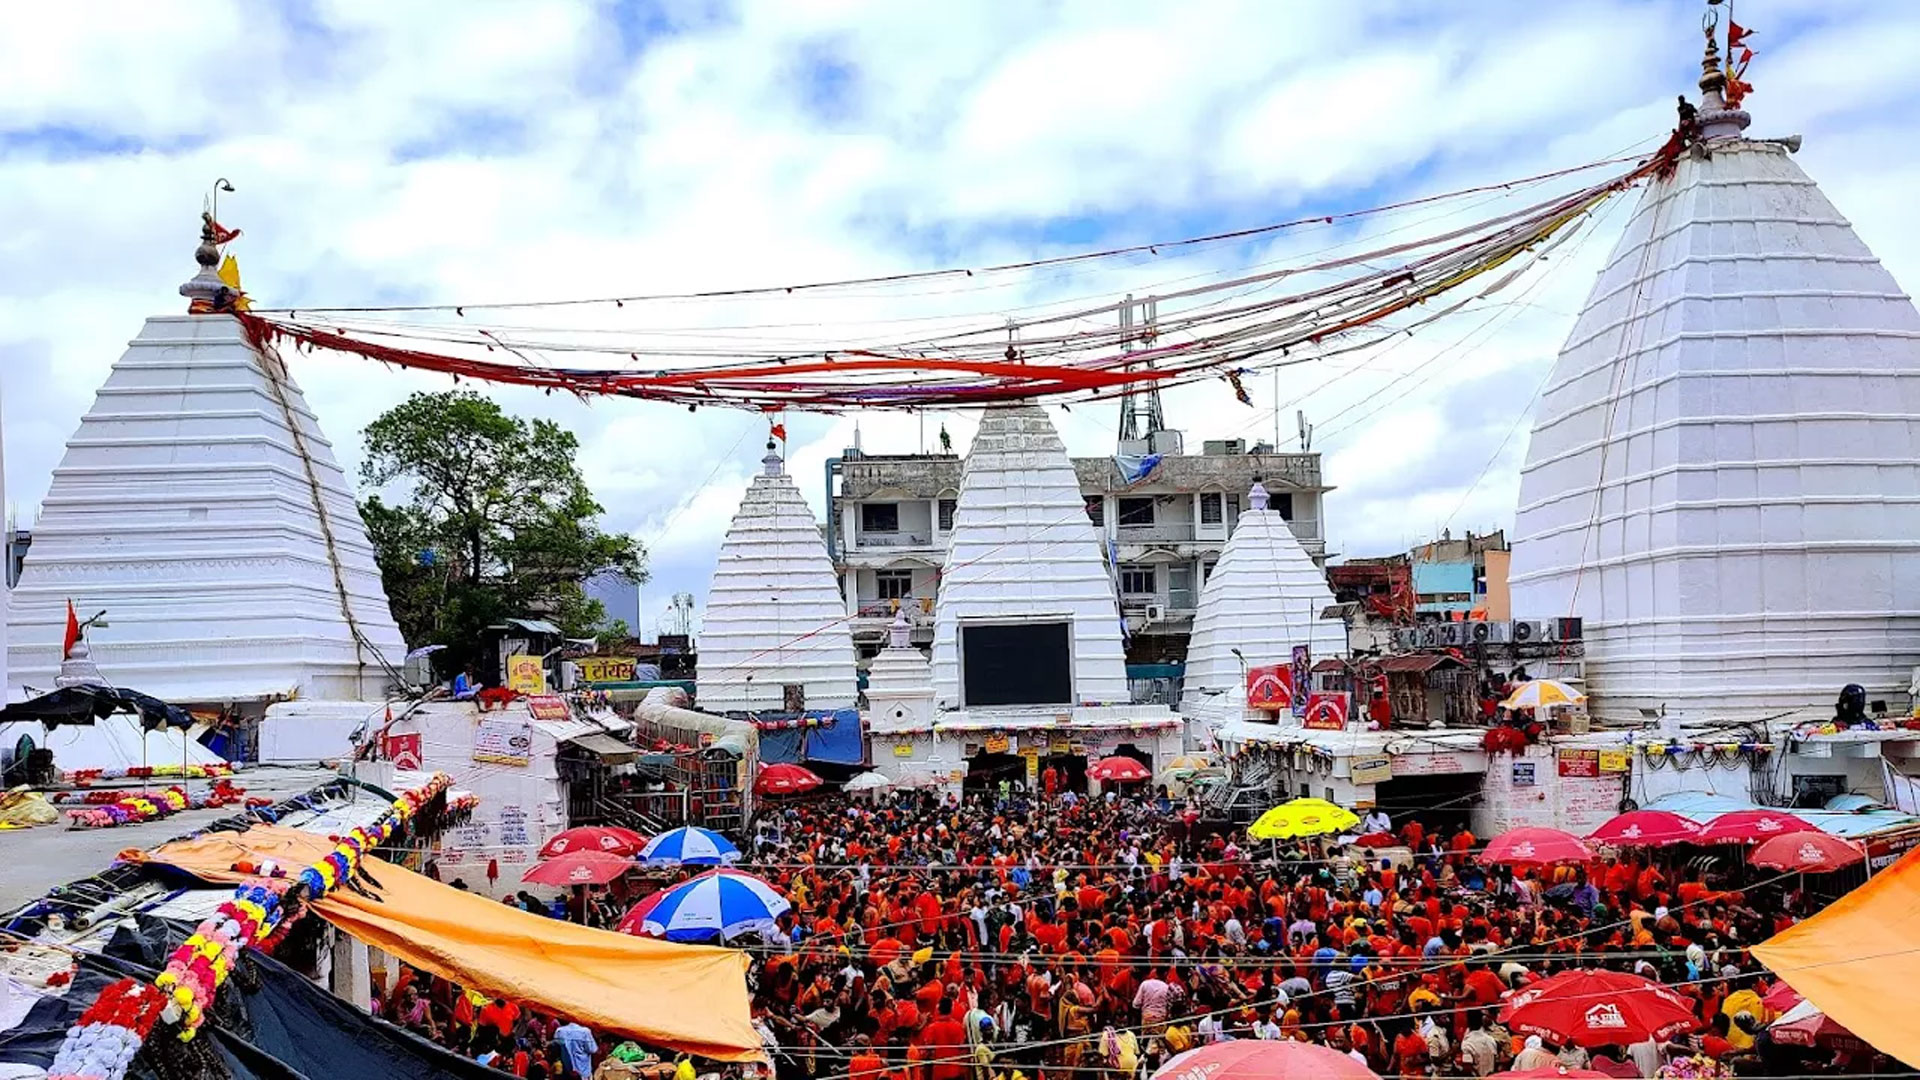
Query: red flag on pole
[[1736, 36], [780, 432], [73, 633]]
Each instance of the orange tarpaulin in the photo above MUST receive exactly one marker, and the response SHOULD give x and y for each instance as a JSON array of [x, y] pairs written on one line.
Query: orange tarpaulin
[[689, 998], [1855, 960]]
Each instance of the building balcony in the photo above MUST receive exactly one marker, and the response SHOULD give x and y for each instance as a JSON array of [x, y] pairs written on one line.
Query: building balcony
[[893, 541]]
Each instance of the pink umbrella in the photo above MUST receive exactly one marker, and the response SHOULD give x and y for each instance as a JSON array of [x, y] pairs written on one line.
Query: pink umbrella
[[578, 868], [1781, 998], [1123, 770], [1750, 827], [784, 779], [1646, 828], [611, 839], [1535, 847], [1253, 1059], [1807, 852], [1551, 1072]]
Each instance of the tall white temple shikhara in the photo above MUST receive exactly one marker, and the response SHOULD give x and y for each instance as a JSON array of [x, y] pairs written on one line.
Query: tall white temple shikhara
[[201, 508], [1724, 473], [775, 636]]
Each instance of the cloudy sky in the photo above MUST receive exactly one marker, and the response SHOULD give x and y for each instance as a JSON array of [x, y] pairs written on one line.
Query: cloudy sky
[[469, 151]]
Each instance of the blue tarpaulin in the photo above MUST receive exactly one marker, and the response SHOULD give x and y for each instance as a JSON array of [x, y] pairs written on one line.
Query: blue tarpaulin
[[832, 737]]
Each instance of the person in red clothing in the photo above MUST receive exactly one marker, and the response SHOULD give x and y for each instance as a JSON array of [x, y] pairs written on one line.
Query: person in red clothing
[[946, 1042]]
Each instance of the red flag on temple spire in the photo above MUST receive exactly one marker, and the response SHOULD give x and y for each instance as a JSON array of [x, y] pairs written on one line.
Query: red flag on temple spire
[[1736, 36]]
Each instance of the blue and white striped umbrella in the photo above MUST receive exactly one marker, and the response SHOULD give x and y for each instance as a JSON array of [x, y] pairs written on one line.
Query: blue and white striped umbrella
[[718, 903], [689, 846]]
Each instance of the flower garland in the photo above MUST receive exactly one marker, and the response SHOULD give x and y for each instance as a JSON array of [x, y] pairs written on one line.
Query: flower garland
[[107, 809], [149, 772], [103, 1044]]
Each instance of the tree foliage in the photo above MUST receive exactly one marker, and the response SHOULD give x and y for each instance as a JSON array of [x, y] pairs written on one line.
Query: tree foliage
[[491, 519]]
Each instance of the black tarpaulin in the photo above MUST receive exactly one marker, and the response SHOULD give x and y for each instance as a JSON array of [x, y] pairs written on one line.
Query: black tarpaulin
[[278, 1026]]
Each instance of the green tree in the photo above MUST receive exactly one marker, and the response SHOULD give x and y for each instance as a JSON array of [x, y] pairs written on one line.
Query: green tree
[[491, 519]]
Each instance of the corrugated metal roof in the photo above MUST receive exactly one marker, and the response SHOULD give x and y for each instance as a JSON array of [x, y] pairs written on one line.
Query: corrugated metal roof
[[1703, 807]]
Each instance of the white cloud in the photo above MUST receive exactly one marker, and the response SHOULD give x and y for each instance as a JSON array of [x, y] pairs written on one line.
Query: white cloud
[[460, 152]]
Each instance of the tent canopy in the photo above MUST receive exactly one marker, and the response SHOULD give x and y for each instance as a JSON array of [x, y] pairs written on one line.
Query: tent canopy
[[1855, 960], [683, 997]]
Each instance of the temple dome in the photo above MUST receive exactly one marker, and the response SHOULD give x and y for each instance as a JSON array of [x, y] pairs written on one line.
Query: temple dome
[[775, 617], [200, 506], [1724, 472], [1264, 596], [1023, 551]]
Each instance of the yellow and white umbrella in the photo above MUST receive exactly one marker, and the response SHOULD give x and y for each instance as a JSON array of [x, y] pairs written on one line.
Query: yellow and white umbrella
[[1542, 694]]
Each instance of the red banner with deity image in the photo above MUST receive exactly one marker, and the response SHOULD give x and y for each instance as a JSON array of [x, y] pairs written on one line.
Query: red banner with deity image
[[1270, 687]]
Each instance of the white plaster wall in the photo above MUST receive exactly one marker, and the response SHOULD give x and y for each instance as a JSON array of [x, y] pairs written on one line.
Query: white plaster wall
[[1575, 804]]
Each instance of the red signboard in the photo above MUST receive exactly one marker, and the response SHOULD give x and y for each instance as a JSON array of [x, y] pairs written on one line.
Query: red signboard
[[1270, 687], [1327, 710], [1579, 762], [548, 707], [402, 750]]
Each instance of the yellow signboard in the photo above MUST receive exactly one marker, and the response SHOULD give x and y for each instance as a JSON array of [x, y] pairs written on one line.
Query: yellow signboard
[[1060, 744], [526, 674], [596, 669], [996, 744], [1616, 761], [903, 749]]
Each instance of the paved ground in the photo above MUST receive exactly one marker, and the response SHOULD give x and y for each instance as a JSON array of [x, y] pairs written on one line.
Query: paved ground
[[35, 860]]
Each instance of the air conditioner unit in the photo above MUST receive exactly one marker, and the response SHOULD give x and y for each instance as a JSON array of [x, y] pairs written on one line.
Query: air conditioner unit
[[1527, 631], [1485, 633], [1223, 447], [1430, 636], [1156, 613], [1459, 633]]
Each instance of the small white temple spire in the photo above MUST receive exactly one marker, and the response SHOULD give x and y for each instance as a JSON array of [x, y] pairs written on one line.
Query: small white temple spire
[[772, 464], [899, 635], [1257, 497]]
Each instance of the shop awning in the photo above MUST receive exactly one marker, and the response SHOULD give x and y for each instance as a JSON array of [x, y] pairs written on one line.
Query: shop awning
[[1855, 959], [690, 998], [606, 748]]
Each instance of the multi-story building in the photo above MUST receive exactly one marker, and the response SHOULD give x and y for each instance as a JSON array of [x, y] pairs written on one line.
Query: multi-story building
[[889, 517]]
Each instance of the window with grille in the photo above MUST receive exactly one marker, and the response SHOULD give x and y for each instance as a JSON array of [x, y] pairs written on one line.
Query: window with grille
[[1097, 510], [893, 584], [1213, 508], [880, 517], [946, 514], [1137, 581], [1136, 512]]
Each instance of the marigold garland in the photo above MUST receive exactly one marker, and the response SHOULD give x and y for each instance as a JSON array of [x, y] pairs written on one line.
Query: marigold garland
[[103, 1044]]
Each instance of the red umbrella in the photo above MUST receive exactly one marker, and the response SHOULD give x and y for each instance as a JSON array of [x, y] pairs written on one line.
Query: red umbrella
[[1550, 1072], [611, 839], [1750, 827], [1599, 1008], [1805, 1025], [631, 922], [784, 779], [1645, 828], [1781, 998], [1253, 1059], [1807, 852], [1124, 770], [1535, 847], [578, 868]]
